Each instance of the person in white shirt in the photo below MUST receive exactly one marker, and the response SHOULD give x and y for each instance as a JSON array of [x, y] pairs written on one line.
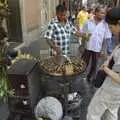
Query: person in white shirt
[[99, 31]]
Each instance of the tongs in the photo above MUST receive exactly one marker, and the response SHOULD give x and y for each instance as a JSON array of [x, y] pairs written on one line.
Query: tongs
[[67, 58]]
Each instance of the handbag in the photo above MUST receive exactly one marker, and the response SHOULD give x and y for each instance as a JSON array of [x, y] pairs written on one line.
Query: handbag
[[101, 75]]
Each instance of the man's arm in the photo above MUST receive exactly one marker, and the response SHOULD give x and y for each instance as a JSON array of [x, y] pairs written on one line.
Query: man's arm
[[49, 38], [76, 31], [52, 45], [79, 34], [107, 38], [84, 34]]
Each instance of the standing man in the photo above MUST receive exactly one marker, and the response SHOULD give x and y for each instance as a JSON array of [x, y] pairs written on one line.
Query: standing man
[[99, 31], [59, 31]]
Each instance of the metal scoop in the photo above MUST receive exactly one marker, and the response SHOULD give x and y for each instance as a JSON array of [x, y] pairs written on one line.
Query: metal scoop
[[67, 58], [60, 59]]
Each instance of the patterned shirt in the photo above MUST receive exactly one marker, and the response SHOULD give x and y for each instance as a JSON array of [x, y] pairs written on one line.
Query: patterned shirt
[[60, 33]]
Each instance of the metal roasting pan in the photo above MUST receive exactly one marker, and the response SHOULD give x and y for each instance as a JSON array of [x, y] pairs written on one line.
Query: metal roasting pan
[[59, 74]]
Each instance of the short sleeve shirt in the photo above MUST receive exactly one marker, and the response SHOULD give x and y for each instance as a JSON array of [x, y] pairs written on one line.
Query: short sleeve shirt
[[99, 33], [60, 33]]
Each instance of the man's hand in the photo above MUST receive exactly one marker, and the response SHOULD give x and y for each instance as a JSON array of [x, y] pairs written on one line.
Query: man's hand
[[52, 45], [86, 36], [58, 51]]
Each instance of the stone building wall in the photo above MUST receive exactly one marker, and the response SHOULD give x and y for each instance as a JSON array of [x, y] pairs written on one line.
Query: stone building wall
[[34, 14]]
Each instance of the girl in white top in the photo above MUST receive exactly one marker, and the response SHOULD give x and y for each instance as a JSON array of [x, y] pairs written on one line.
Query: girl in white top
[[107, 98]]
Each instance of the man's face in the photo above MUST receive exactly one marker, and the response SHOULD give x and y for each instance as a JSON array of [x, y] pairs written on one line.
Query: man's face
[[61, 16], [101, 14]]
